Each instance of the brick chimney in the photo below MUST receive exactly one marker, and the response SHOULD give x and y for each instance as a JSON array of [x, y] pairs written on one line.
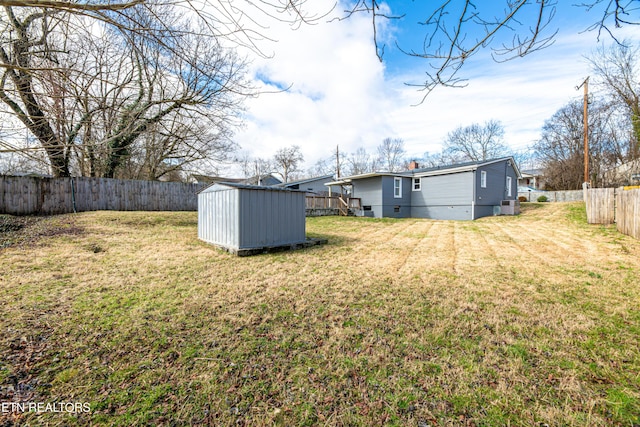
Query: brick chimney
[[413, 165]]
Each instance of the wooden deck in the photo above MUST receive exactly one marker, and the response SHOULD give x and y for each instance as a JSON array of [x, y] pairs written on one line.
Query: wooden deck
[[343, 205]]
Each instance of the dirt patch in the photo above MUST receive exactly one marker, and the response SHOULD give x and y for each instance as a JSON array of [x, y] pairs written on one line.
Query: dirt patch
[[27, 230]]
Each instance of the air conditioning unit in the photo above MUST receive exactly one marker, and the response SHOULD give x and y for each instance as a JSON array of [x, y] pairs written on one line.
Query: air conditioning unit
[[510, 207]]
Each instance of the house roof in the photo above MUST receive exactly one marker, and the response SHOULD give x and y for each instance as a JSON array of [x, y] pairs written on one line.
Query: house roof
[[266, 179], [632, 165], [348, 179], [207, 179], [462, 167], [304, 181], [532, 172], [438, 170]]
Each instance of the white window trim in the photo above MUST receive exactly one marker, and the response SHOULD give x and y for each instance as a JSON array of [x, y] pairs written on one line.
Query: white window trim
[[415, 181], [509, 185], [483, 179], [399, 187]]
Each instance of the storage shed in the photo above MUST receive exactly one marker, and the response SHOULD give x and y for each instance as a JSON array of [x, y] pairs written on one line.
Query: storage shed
[[248, 219]]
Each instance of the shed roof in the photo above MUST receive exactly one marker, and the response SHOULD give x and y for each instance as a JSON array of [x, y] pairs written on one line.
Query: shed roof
[[221, 186]]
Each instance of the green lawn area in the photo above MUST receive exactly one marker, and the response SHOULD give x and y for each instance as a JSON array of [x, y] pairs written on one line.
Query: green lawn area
[[527, 320]]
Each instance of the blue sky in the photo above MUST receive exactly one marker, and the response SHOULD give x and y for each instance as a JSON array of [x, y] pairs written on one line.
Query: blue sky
[[341, 94]]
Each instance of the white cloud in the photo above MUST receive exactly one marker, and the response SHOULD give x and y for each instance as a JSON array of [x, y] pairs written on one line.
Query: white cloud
[[340, 94]]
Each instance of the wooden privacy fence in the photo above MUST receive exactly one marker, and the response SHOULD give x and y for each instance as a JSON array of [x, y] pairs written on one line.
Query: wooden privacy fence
[[609, 205], [601, 205], [28, 195], [628, 212]]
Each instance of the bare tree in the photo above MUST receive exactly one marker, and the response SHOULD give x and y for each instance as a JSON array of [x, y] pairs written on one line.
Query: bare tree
[[432, 160], [560, 148], [361, 162], [287, 161], [455, 31], [391, 154], [476, 142], [617, 73], [91, 95], [173, 147], [323, 167], [38, 72]]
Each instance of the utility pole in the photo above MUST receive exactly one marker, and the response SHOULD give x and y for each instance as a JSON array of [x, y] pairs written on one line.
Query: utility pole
[[257, 173], [585, 84], [337, 162]]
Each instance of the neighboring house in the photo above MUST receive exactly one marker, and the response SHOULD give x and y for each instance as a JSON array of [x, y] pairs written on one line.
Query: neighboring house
[[463, 191], [532, 179], [313, 186], [207, 179], [265, 180], [626, 174]]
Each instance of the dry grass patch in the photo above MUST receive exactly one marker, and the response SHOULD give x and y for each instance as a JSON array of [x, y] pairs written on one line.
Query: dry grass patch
[[506, 320]]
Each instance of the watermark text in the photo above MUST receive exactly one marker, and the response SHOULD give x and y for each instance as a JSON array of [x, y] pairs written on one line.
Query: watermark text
[[42, 407]]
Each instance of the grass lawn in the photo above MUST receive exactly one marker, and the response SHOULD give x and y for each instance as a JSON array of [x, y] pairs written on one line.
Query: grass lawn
[[528, 320]]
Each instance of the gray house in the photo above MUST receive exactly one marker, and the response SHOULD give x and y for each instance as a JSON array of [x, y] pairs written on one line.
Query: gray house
[[463, 191], [247, 219]]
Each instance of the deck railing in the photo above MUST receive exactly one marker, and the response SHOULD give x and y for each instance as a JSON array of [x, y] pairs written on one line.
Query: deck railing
[[341, 204]]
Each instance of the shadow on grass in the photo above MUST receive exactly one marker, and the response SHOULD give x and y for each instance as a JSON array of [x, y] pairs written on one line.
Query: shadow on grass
[[334, 239], [526, 207]]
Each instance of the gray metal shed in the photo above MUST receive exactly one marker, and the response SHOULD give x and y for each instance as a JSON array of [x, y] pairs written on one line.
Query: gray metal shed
[[247, 219]]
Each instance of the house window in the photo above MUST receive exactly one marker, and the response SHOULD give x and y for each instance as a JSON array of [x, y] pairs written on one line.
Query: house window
[[366, 208], [417, 184], [508, 186], [483, 179], [397, 188], [396, 208]]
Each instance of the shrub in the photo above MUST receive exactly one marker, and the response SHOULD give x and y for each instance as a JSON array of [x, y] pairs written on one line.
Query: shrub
[[522, 199], [543, 199]]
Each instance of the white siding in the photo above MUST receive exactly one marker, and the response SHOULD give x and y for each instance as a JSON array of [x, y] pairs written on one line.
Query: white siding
[[218, 218]]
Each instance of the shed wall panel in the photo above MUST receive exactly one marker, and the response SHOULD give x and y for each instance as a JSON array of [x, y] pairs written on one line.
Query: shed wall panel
[[218, 219], [271, 218]]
